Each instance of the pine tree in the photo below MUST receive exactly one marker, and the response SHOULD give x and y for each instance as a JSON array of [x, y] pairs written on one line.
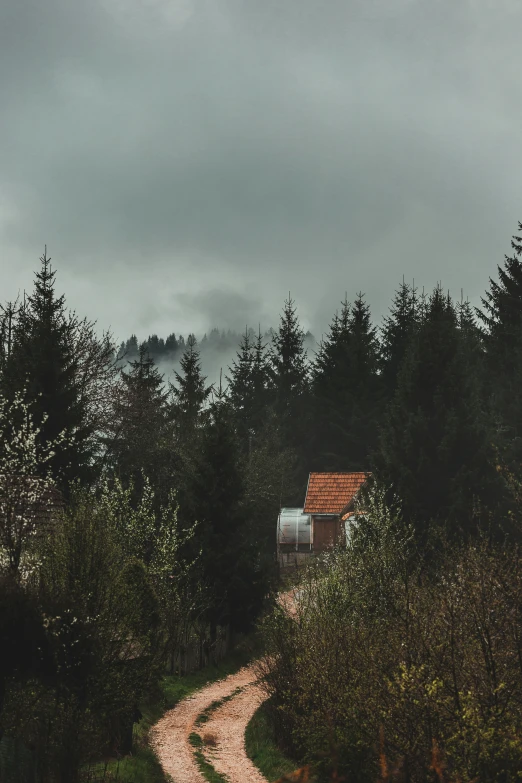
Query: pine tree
[[397, 332], [240, 383], [289, 390], [433, 450], [131, 346], [502, 320], [260, 384], [215, 495], [43, 365], [288, 364], [346, 391], [171, 344], [191, 392], [140, 442], [472, 339]]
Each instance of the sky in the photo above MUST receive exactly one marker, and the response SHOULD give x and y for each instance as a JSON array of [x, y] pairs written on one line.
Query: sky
[[190, 162]]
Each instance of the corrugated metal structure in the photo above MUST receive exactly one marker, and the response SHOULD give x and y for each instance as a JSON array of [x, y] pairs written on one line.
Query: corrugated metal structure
[[294, 530]]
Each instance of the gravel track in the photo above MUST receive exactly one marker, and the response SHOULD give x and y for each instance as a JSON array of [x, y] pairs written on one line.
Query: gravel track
[[227, 726], [170, 736]]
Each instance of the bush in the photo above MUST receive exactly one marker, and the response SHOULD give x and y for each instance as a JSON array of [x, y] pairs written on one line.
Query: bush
[[389, 669]]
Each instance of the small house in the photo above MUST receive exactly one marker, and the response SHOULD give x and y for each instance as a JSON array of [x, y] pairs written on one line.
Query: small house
[[329, 502], [322, 522]]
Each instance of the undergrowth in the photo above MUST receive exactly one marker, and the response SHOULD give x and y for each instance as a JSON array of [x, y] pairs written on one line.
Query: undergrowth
[[262, 749]]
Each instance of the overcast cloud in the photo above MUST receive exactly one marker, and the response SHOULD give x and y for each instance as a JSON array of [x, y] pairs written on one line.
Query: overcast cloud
[[188, 162]]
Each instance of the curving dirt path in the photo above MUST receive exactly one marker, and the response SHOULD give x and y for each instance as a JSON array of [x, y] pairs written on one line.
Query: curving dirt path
[[227, 725]]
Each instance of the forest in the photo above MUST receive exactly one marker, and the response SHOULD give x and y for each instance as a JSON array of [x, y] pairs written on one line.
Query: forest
[[138, 514]]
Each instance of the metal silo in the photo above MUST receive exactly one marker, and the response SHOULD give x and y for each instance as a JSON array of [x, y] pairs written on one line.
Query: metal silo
[[294, 530]]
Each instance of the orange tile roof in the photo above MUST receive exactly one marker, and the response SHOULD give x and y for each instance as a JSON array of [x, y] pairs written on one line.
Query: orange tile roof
[[330, 493]]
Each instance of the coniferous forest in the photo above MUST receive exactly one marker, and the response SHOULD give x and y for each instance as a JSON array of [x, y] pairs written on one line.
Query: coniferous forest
[[138, 516]]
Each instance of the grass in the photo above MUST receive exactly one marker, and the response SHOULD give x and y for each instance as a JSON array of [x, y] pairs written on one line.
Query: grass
[[262, 749], [142, 766], [207, 712], [205, 767]]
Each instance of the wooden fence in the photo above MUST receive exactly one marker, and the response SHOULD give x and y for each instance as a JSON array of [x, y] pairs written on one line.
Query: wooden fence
[[195, 650]]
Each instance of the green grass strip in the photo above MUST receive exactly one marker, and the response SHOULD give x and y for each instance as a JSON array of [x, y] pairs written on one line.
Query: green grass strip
[[262, 749], [205, 767], [204, 716]]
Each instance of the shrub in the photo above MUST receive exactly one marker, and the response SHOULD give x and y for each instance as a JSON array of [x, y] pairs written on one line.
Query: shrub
[[390, 669]]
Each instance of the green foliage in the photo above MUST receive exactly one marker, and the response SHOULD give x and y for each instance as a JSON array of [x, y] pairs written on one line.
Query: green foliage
[[396, 334], [289, 392], [502, 321], [42, 363], [345, 389], [139, 440], [191, 393], [262, 748], [388, 665], [288, 365], [26, 485], [214, 495], [434, 448], [248, 393]]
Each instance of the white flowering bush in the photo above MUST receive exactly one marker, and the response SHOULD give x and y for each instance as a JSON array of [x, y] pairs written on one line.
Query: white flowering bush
[[27, 491]]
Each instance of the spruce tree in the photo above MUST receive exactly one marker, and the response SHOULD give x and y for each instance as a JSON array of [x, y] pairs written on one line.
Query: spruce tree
[[248, 388], [260, 384], [346, 391], [396, 334], [502, 321], [241, 388], [191, 392], [433, 449], [140, 440], [131, 346], [289, 389], [288, 363], [42, 364], [214, 495], [171, 344]]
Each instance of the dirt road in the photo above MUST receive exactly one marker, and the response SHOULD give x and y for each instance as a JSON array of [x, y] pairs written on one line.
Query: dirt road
[[226, 726]]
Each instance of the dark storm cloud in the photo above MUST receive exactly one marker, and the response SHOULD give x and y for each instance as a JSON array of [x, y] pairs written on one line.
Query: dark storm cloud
[[189, 155]]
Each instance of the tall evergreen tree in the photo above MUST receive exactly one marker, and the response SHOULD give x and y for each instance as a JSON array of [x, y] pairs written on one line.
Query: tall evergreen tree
[[191, 392], [289, 386], [171, 344], [260, 383], [42, 363], [502, 321], [241, 395], [433, 448], [140, 440], [248, 388], [346, 391], [288, 365], [396, 334], [214, 495]]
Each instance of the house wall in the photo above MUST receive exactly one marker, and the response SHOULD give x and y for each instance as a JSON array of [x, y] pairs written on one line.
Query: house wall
[[326, 532]]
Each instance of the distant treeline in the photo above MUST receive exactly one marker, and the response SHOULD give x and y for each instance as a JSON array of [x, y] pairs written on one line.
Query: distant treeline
[[173, 346]]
